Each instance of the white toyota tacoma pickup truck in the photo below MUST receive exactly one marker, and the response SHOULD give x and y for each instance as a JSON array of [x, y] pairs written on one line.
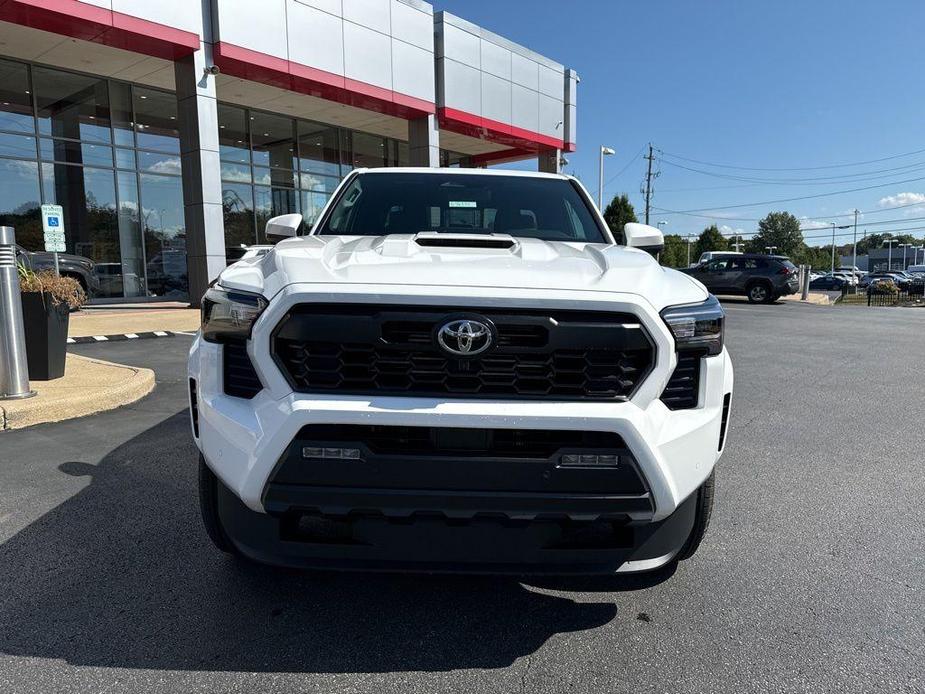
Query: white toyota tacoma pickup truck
[[459, 370]]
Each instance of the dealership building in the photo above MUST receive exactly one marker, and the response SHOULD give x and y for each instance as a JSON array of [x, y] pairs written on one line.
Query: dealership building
[[171, 131]]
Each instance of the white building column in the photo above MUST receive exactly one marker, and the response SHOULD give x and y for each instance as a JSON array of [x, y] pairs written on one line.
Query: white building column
[[202, 186], [424, 141]]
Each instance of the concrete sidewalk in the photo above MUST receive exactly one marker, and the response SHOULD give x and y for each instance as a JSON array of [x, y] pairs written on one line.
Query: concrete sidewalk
[[818, 298], [120, 321], [87, 387]]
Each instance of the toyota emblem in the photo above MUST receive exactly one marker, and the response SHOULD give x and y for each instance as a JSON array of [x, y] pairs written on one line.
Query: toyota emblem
[[465, 337]]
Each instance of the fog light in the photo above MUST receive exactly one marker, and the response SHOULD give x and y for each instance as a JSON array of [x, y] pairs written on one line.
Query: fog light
[[318, 453], [588, 460]]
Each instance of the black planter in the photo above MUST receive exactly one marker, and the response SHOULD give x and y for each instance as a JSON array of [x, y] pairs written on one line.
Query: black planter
[[45, 326]]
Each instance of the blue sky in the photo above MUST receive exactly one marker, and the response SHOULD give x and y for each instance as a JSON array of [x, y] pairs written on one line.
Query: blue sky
[[769, 84]]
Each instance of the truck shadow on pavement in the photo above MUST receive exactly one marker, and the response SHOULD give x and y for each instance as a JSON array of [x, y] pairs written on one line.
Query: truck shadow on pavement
[[122, 575]]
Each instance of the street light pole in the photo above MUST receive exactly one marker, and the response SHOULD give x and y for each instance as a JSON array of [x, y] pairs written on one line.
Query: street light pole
[[844, 226], [854, 255], [689, 242], [605, 151], [889, 255], [770, 249], [904, 246]]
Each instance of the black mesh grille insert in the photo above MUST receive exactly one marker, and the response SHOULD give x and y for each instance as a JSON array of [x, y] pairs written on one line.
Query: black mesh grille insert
[[240, 379], [359, 349], [683, 387]]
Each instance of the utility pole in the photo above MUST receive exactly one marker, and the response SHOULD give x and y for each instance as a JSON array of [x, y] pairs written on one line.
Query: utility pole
[[648, 192], [854, 262]]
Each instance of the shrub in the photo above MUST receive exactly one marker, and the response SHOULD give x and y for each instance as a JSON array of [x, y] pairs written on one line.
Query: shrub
[[883, 287], [60, 290]]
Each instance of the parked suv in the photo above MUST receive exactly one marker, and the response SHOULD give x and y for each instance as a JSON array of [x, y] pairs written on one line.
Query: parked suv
[[75, 266], [459, 370], [762, 278]]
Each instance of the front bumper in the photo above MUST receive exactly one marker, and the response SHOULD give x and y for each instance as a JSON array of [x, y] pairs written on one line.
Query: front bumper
[[243, 440]]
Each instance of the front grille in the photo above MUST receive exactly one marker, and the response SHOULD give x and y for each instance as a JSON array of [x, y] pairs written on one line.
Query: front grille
[[683, 389], [358, 349], [239, 376]]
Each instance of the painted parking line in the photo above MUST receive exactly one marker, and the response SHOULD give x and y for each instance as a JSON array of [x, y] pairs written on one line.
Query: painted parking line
[[85, 339]]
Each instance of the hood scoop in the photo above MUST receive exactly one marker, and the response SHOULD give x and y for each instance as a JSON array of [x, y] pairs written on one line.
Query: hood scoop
[[431, 239]]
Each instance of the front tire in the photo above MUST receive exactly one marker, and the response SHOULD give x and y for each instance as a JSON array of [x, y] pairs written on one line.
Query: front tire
[[702, 518], [208, 507]]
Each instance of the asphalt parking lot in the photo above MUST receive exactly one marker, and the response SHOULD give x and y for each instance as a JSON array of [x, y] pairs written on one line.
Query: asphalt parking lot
[[810, 579]]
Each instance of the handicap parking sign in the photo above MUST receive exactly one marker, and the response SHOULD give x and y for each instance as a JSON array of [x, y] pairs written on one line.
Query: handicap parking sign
[[53, 226]]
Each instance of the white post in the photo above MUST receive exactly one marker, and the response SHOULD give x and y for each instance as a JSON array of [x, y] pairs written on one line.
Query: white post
[[14, 369]]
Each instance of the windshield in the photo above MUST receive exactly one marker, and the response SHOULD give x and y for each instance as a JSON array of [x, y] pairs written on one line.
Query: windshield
[[375, 204]]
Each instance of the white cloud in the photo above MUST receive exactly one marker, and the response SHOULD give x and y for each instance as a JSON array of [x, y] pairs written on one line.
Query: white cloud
[[167, 166], [902, 199], [727, 230], [806, 223]]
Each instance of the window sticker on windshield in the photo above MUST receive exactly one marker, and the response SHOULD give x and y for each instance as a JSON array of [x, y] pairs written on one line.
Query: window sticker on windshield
[[463, 203]]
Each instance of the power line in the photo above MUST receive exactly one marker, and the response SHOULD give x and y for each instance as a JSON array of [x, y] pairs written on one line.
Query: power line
[[858, 177], [802, 197], [899, 220], [797, 168], [827, 235], [758, 219]]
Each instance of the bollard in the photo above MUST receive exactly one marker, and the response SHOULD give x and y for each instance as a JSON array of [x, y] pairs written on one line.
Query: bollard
[[14, 370], [806, 270]]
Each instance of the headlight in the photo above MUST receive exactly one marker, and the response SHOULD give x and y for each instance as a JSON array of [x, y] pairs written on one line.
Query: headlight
[[697, 325], [229, 314]]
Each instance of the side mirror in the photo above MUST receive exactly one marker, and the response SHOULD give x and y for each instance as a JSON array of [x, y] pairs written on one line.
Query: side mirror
[[643, 237], [283, 227]]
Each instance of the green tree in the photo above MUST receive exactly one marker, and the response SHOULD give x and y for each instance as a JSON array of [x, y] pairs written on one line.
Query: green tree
[[710, 239], [675, 251], [619, 212], [779, 229]]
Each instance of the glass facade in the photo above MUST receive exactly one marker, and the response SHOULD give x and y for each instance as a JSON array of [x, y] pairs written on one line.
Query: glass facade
[[109, 154], [274, 165]]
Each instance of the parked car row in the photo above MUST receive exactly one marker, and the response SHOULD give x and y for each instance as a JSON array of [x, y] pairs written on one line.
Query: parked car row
[[765, 278]]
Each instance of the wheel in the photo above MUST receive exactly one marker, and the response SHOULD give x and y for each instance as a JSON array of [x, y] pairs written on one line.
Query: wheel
[[701, 520], [760, 294], [208, 506]]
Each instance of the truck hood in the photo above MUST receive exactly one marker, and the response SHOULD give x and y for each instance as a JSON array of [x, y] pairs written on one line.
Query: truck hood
[[410, 260]]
